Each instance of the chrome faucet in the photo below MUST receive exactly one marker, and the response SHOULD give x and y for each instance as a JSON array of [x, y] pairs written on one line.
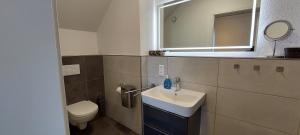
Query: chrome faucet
[[177, 84]]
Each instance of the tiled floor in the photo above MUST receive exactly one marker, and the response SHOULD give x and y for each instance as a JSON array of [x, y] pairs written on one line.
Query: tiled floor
[[103, 126]]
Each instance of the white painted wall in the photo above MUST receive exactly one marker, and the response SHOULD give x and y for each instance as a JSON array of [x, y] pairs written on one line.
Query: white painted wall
[[128, 28], [31, 97], [119, 32], [76, 42], [147, 23], [83, 15]]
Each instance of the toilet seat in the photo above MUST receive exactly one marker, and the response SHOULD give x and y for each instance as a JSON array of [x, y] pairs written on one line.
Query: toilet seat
[[82, 109], [82, 112]]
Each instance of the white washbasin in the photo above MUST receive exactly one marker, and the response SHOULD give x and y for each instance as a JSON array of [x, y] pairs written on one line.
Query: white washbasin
[[184, 102]]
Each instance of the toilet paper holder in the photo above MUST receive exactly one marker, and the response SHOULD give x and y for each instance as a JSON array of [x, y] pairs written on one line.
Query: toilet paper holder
[[128, 94], [136, 91], [127, 97]]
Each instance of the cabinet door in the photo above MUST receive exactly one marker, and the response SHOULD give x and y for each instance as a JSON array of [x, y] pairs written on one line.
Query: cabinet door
[[152, 131], [164, 121]]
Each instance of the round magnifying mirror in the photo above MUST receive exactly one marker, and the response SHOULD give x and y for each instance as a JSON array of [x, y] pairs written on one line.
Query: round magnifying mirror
[[278, 30]]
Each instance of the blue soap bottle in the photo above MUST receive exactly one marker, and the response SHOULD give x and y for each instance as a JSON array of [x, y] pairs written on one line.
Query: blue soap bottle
[[167, 83]]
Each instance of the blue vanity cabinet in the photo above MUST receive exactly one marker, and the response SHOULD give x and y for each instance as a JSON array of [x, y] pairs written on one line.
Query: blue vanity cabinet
[[161, 122]]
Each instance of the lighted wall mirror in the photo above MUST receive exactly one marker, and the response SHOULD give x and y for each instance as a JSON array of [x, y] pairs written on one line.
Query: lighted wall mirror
[[207, 25]]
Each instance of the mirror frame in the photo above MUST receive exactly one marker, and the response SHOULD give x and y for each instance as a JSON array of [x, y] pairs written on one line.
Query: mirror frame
[[286, 35], [204, 49]]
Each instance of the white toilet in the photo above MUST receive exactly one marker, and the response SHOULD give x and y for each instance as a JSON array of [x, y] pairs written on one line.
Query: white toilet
[[82, 112]]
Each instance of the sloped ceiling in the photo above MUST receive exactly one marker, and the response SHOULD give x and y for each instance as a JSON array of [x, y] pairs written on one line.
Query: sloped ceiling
[[81, 14]]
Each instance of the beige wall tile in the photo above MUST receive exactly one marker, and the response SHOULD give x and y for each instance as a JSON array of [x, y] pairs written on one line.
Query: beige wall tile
[[207, 123], [145, 83], [265, 110], [211, 95], [266, 81], [227, 126], [299, 129], [145, 71], [114, 109], [123, 64], [155, 80], [152, 67], [203, 71], [153, 64], [114, 76], [259, 114], [144, 66]]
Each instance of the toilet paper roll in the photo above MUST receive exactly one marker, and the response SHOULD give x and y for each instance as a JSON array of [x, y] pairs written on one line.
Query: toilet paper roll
[[118, 90]]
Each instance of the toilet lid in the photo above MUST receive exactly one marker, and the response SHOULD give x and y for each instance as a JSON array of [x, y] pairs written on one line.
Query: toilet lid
[[82, 108]]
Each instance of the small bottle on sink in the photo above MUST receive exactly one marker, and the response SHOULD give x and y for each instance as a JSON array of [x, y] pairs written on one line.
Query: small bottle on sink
[[167, 83]]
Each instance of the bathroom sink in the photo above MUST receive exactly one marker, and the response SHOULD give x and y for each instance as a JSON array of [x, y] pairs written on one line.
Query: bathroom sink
[[184, 102]]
